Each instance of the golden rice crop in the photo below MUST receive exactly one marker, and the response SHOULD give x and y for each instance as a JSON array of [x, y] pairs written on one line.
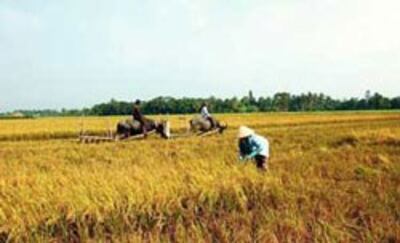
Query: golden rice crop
[[50, 128], [333, 177]]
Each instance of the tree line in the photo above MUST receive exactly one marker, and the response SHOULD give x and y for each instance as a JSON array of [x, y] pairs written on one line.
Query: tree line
[[280, 102]]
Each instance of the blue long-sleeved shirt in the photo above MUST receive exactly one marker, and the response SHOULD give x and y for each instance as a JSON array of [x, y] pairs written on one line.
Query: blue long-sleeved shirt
[[254, 144]]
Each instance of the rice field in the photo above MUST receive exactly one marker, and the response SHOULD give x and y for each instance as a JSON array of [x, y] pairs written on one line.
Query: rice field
[[334, 177]]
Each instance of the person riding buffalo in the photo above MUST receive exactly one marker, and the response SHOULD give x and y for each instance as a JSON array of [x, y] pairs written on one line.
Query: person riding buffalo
[[138, 116], [205, 114]]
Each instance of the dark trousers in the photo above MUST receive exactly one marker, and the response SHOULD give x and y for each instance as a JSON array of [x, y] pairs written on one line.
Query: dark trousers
[[261, 162], [143, 124], [212, 121], [144, 128]]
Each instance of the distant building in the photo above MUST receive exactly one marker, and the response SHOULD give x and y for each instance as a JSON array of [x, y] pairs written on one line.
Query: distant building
[[17, 115]]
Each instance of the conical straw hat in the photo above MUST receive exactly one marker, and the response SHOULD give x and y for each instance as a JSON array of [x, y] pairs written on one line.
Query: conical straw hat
[[245, 132]]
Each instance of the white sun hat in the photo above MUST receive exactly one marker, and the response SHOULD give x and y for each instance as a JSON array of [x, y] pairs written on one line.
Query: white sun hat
[[245, 132]]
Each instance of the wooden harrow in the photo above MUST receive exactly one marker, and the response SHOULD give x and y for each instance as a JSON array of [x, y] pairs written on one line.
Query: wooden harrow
[[95, 139], [109, 138], [102, 139]]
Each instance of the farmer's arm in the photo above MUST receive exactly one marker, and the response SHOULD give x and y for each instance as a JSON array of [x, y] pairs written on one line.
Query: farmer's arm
[[242, 153], [257, 146]]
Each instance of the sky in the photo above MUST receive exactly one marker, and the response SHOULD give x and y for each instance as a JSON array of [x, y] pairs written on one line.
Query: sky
[[76, 53]]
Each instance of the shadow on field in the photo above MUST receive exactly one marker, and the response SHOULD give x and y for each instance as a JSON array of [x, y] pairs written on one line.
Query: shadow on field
[[347, 140]]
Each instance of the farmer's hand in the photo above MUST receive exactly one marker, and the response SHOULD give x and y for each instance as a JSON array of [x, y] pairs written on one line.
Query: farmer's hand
[[245, 158], [252, 155]]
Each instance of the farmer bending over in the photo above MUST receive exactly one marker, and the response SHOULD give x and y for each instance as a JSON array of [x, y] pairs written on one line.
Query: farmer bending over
[[138, 116], [253, 146], [206, 115]]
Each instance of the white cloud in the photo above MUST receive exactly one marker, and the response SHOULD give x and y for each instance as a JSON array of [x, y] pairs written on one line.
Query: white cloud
[[17, 22]]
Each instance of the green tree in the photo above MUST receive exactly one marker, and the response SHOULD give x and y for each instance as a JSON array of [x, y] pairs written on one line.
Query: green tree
[[281, 101]]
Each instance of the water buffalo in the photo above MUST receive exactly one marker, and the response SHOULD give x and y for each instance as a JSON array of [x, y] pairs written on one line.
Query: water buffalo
[[129, 127], [199, 124]]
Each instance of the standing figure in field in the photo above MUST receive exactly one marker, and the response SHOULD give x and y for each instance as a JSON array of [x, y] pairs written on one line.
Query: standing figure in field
[[205, 114], [253, 146], [138, 116]]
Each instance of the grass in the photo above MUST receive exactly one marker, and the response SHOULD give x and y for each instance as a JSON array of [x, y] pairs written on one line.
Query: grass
[[333, 177]]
